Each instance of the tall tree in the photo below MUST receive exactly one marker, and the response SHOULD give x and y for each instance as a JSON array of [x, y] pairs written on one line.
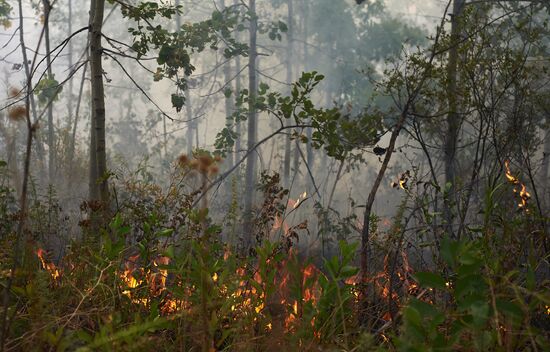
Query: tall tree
[[453, 116], [51, 133], [238, 86], [99, 190], [228, 106], [250, 177], [289, 63], [188, 107]]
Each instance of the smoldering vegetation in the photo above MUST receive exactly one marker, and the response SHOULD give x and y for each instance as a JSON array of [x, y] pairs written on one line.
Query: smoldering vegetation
[[297, 174]]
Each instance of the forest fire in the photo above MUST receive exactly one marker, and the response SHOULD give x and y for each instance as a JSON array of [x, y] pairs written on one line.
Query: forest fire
[[386, 287], [524, 196], [258, 155], [511, 178], [249, 298], [48, 266], [155, 283]]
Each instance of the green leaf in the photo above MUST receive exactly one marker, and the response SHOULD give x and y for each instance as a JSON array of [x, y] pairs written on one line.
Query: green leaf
[[510, 309], [480, 313], [428, 279], [449, 250], [178, 101], [467, 284], [425, 309], [165, 233], [227, 92]]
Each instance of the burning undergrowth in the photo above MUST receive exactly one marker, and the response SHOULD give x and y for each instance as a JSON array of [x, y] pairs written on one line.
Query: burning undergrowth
[[173, 277], [219, 293]]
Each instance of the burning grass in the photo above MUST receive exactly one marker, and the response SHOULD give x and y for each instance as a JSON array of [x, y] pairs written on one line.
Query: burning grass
[[279, 297], [193, 292]]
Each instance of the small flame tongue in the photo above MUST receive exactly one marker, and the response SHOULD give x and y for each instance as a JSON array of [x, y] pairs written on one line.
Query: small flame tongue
[[523, 194], [49, 267]]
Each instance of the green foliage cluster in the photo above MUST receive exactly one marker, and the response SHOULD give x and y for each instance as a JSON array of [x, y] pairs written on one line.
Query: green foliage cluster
[[474, 307], [48, 89], [176, 47], [5, 11], [337, 133]]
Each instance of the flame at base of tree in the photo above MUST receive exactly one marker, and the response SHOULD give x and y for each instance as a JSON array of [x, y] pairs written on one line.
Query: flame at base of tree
[[388, 288]]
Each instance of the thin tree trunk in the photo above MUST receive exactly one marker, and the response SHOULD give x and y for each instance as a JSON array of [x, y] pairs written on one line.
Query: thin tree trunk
[[191, 124], [238, 86], [251, 161], [51, 134], [98, 185], [20, 238], [545, 169], [70, 59], [309, 130], [289, 76], [72, 144], [453, 117], [228, 99]]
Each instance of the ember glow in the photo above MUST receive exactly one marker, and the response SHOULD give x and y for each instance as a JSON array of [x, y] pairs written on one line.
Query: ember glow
[[511, 178], [386, 291], [48, 266], [134, 277], [524, 196]]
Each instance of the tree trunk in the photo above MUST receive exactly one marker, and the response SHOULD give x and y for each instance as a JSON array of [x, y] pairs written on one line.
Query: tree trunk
[[70, 61], [546, 169], [51, 133], [309, 130], [250, 177], [21, 238], [290, 78], [453, 117], [288, 144], [238, 86], [72, 140], [191, 124], [228, 99], [98, 160]]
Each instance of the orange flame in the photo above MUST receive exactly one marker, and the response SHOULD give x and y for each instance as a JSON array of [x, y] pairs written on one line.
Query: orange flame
[[49, 267], [523, 194], [511, 178], [156, 284], [381, 282]]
